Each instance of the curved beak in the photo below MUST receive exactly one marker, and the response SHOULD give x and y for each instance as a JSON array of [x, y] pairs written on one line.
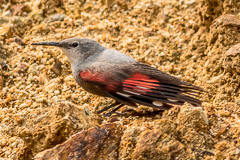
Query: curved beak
[[57, 44]]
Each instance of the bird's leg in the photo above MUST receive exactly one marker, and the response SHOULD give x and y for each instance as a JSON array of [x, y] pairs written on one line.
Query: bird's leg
[[114, 110], [118, 107], [108, 107]]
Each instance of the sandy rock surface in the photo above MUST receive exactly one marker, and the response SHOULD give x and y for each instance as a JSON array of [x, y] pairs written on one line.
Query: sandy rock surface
[[43, 111], [95, 143]]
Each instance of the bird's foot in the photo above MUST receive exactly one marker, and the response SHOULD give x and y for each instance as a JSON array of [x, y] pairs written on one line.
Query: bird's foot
[[113, 111], [108, 107]]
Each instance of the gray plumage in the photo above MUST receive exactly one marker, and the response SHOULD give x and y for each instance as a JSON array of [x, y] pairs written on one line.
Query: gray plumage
[[110, 73]]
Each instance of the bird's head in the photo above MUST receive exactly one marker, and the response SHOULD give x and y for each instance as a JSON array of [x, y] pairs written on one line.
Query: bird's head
[[77, 49]]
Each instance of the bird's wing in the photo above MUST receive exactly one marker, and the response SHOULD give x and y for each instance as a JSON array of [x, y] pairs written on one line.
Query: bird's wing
[[140, 83]]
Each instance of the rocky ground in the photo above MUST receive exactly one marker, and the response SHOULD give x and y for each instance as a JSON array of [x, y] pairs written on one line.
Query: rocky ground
[[46, 115]]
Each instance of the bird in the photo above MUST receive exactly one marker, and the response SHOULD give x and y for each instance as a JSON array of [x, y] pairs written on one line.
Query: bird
[[110, 73]]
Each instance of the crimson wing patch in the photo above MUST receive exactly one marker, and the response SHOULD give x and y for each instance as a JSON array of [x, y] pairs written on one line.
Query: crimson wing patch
[[107, 83]]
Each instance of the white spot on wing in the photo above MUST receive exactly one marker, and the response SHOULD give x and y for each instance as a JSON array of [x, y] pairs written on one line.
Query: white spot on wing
[[142, 87], [157, 103], [131, 92], [172, 100], [123, 94]]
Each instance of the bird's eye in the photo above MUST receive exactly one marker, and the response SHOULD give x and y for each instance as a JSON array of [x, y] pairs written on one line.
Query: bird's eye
[[75, 44]]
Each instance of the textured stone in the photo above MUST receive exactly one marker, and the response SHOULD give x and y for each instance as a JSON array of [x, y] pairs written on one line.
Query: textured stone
[[96, 143], [160, 143], [62, 120], [234, 50], [194, 117], [171, 137]]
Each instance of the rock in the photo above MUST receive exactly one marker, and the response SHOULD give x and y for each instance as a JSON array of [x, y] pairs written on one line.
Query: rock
[[122, 4], [109, 3], [231, 6], [193, 128], [221, 145], [95, 143], [228, 20], [238, 102], [164, 147], [57, 68], [232, 59], [19, 9], [210, 10], [19, 41], [43, 78], [8, 13], [164, 138], [160, 143], [215, 79], [57, 125], [234, 50], [6, 30], [57, 17], [4, 66], [194, 117], [23, 67], [129, 141], [50, 6], [227, 24], [223, 65], [3, 20]]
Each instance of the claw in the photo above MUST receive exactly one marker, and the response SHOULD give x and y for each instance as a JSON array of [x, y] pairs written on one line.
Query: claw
[[110, 113], [111, 106], [108, 107]]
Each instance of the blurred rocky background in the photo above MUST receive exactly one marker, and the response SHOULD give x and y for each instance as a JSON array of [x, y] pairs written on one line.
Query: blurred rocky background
[[44, 114]]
